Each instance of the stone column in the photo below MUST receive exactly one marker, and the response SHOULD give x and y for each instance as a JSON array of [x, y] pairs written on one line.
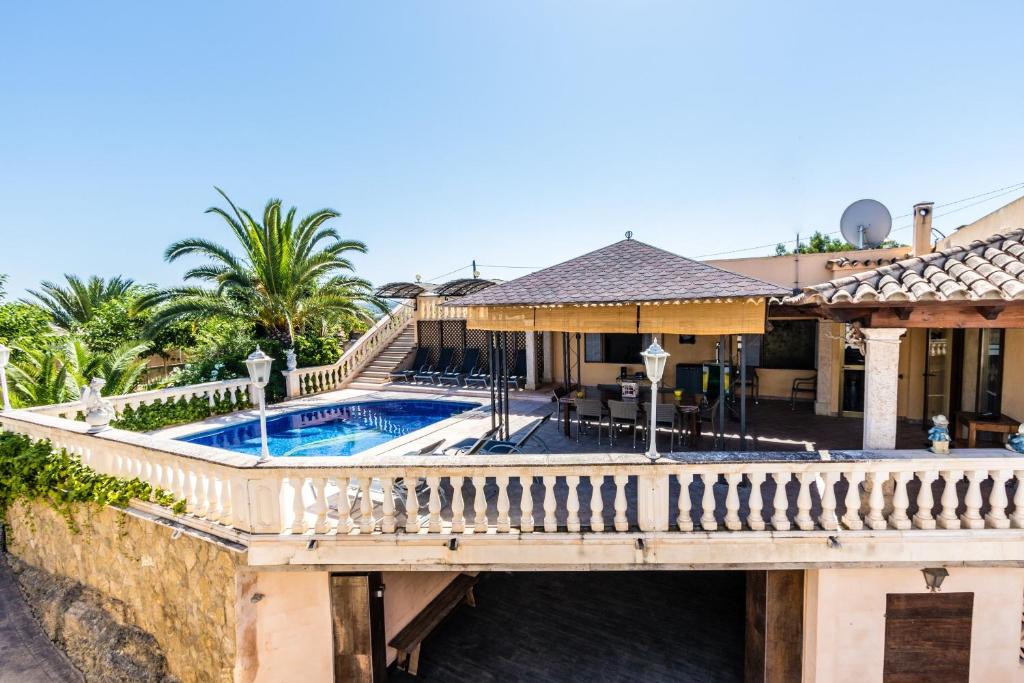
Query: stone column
[[531, 360], [827, 361], [881, 378]]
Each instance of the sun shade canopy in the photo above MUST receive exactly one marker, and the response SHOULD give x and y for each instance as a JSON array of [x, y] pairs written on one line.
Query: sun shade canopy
[[403, 290], [464, 286], [628, 286]]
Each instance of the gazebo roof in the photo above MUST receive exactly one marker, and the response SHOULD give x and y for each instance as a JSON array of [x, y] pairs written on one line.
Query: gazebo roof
[[464, 286], [404, 290], [628, 271]]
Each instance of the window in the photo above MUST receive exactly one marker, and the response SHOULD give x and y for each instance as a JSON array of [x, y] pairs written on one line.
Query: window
[[790, 345], [615, 348], [990, 371]]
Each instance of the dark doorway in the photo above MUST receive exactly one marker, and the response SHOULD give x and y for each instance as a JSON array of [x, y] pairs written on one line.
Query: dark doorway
[[593, 626]]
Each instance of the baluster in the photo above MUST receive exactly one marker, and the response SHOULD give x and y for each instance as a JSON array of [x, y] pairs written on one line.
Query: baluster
[[828, 520], [434, 504], [212, 508], [900, 501], [683, 519], [621, 521], [550, 520], [526, 504], [458, 507], [1017, 518], [596, 503], [876, 500], [181, 485], [732, 502], [923, 518], [479, 505], [412, 505], [199, 491], [851, 518], [345, 504], [572, 504], [504, 522], [996, 517], [755, 518], [366, 504], [780, 519], [298, 505], [707, 503], [803, 517], [971, 518], [320, 505], [950, 500], [388, 522], [193, 504]]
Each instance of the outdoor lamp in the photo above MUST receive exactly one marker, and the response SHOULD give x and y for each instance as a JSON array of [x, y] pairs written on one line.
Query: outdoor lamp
[[259, 364], [5, 355], [654, 361], [933, 577]]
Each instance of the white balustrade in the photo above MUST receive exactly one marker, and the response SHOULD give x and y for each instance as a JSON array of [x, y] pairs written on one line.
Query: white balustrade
[[321, 378], [430, 308], [498, 495]]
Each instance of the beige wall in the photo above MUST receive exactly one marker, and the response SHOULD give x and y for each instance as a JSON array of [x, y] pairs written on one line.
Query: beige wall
[[1003, 219], [1013, 375], [181, 591], [792, 271], [844, 620]]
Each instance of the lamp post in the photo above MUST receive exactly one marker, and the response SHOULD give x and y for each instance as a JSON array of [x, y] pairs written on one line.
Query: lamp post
[[654, 361], [259, 364], [5, 355]]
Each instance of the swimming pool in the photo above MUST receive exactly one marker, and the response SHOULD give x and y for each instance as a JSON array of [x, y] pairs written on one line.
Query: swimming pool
[[342, 429]]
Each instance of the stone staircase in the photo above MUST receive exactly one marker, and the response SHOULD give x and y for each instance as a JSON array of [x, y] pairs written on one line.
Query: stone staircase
[[376, 372]]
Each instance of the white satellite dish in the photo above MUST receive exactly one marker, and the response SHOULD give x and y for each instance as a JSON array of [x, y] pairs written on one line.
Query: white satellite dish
[[865, 223]]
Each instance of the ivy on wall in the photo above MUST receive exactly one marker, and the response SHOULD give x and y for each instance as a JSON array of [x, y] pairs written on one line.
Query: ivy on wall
[[35, 471], [158, 415]]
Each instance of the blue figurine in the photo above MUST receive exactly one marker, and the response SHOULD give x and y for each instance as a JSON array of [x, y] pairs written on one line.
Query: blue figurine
[[1016, 442], [939, 434]]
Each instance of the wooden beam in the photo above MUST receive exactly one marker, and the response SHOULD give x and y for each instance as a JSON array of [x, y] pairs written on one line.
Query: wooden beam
[[774, 630], [1008, 316]]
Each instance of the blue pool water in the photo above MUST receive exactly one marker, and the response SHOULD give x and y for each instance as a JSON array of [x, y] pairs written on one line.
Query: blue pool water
[[343, 429]]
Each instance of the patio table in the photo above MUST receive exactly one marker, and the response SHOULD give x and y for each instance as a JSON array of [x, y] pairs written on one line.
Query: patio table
[[974, 423], [688, 408]]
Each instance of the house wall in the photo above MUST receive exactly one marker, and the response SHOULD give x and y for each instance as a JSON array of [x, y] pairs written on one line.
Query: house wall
[[1003, 219], [1013, 375], [844, 620], [797, 271]]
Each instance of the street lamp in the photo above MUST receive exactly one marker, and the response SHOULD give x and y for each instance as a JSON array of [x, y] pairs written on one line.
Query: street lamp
[[259, 364], [5, 355], [654, 360]]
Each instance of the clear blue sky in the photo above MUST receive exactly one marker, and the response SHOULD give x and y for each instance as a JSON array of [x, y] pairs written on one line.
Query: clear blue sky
[[514, 133]]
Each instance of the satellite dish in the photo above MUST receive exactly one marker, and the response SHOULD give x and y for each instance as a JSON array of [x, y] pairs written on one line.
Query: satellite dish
[[865, 223]]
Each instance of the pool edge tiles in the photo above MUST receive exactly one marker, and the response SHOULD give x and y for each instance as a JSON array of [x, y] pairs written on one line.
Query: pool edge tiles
[[343, 429]]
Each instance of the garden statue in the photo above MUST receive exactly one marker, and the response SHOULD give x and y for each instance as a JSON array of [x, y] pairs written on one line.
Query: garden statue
[[1016, 442], [98, 411], [291, 362], [939, 435]]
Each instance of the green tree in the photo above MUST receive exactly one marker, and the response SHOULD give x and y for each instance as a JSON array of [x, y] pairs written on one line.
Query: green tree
[[75, 302], [288, 272], [820, 243], [20, 323], [3, 286]]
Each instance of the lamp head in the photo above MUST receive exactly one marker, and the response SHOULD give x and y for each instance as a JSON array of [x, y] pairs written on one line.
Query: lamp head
[[655, 358], [934, 576], [259, 364]]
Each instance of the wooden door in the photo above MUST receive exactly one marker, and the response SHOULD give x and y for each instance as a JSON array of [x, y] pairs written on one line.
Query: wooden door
[[928, 637], [357, 616]]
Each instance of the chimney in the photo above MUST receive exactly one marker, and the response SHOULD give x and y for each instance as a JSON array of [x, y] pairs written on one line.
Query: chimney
[[922, 228]]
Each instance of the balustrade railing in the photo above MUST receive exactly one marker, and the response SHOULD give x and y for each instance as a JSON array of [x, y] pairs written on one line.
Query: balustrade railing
[[430, 308], [237, 391], [315, 380], [523, 494]]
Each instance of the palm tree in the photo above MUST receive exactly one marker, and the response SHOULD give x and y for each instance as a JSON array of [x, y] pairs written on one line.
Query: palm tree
[[288, 273], [54, 371], [74, 304]]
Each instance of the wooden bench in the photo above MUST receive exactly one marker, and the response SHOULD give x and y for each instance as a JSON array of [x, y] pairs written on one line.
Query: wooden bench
[[410, 638]]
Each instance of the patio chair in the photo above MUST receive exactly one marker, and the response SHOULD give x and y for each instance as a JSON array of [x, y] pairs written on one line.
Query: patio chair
[[471, 446], [589, 411], [421, 362], [470, 359], [621, 414], [398, 485], [478, 378], [518, 375], [666, 413], [803, 385], [517, 446], [443, 362]]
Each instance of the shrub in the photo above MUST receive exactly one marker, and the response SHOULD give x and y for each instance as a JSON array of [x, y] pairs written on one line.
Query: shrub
[[159, 414]]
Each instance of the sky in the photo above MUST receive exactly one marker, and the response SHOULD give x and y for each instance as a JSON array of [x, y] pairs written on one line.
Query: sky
[[516, 134]]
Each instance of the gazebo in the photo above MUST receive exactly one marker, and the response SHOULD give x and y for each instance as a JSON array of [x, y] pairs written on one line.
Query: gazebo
[[628, 287]]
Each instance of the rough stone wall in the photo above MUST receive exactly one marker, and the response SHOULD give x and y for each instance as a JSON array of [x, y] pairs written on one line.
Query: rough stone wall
[[181, 591]]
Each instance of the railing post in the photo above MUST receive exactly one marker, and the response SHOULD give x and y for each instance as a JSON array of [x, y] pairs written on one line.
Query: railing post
[[652, 502], [291, 383]]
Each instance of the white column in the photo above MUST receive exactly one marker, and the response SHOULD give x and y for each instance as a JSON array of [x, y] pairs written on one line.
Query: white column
[[881, 378], [828, 353], [531, 360], [549, 359]]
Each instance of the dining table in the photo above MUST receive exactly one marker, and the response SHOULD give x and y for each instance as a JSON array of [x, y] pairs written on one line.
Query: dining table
[[687, 408]]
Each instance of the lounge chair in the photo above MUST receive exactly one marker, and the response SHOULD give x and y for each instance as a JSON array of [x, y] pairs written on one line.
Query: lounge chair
[[478, 378], [420, 363], [518, 375], [471, 446], [436, 371], [516, 446], [470, 358]]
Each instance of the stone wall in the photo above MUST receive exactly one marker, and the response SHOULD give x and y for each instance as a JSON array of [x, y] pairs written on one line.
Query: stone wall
[[180, 590]]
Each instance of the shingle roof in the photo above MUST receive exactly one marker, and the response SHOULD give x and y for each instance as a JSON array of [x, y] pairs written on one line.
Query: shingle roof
[[623, 272], [985, 270]]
